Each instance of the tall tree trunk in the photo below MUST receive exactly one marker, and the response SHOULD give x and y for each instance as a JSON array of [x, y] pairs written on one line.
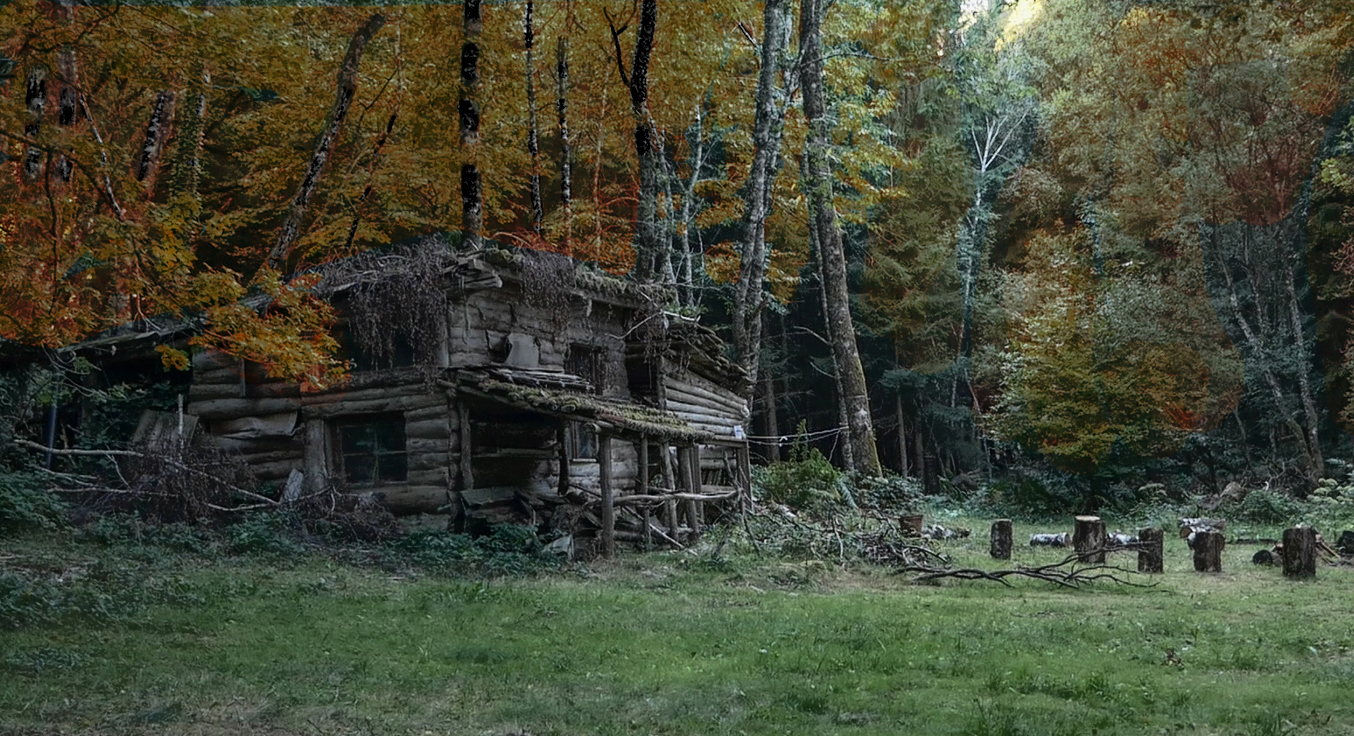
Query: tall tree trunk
[[767, 130], [770, 418], [472, 195], [68, 102], [902, 436], [566, 169], [157, 130], [35, 98], [648, 237], [533, 127], [818, 188], [343, 100]]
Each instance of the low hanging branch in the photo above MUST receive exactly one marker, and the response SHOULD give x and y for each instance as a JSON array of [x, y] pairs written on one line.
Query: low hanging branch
[[343, 100]]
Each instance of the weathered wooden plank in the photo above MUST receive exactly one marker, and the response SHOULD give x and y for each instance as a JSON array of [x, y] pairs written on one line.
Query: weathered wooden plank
[[241, 407], [427, 429], [282, 424], [426, 460], [428, 476], [440, 411], [414, 445], [373, 406], [262, 458], [218, 377]]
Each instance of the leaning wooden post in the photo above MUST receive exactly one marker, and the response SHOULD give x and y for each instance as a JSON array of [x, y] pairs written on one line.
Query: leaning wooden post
[[642, 482], [1089, 539], [1299, 552], [562, 436], [1150, 550], [608, 502], [670, 484], [1001, 539], [745, 477], [684, 462], [463, 417], [1208, 547]]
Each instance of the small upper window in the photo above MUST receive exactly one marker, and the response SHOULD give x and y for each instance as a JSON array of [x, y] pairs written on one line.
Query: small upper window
[[588, 362], [373, 450]]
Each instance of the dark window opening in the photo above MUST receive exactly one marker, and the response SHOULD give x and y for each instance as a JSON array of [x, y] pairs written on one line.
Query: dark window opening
[[582, 442], [360, 360], [372, 450], [589, 363]]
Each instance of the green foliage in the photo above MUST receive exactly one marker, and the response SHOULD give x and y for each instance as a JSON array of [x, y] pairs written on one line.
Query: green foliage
[[508, 550], [26, 503], [269, 533], [805, 481], [1264, 506]]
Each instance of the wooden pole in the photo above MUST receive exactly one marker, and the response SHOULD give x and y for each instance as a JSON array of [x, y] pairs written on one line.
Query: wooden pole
[[745, 476], [642, 482], [1089, 539], [608, 502], [562, 435], [463, 414], [1150, 551], [1299, 552], [1000, 547], [1208, 547]]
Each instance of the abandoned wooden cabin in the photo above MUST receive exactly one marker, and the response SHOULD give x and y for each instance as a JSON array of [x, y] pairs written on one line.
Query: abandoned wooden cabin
[[526, 390]]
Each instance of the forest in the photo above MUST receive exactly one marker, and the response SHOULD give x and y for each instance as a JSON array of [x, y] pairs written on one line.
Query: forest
[[1070, 249]]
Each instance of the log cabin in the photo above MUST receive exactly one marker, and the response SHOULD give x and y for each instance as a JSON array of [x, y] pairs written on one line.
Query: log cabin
[[524, 388]]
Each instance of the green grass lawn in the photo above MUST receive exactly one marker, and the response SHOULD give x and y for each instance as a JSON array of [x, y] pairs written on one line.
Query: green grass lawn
[[671, 644]]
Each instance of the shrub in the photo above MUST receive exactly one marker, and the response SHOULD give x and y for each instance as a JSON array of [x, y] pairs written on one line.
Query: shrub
[[265, 533], [805, 481], [1267, 507], [25, 503]]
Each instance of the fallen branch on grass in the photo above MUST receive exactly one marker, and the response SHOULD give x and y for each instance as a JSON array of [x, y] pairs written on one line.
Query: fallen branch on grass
[[1068, 573]]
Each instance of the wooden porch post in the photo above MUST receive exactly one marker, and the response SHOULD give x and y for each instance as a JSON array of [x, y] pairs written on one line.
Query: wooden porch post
[[563, 436], [463, 414], [642, 482], [608, 502], [670, 484]]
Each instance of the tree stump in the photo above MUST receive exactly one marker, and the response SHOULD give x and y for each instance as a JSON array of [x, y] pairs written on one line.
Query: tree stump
[[1208, 551], [1001, 539], [1299, 552], [1150, 554], [1089, 539]]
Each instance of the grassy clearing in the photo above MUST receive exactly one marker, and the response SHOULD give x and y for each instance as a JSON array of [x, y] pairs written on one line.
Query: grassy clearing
[[665, 644]]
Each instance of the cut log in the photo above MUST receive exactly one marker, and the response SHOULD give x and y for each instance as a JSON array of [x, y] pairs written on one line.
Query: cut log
[[1299, 552], [1061, 539], [1208, 546], [1089, 539], [1000, 547], [1150, 550], [911, 525]]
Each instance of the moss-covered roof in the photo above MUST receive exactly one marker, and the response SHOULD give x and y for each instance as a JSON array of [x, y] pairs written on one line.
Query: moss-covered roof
[[623, 417]]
